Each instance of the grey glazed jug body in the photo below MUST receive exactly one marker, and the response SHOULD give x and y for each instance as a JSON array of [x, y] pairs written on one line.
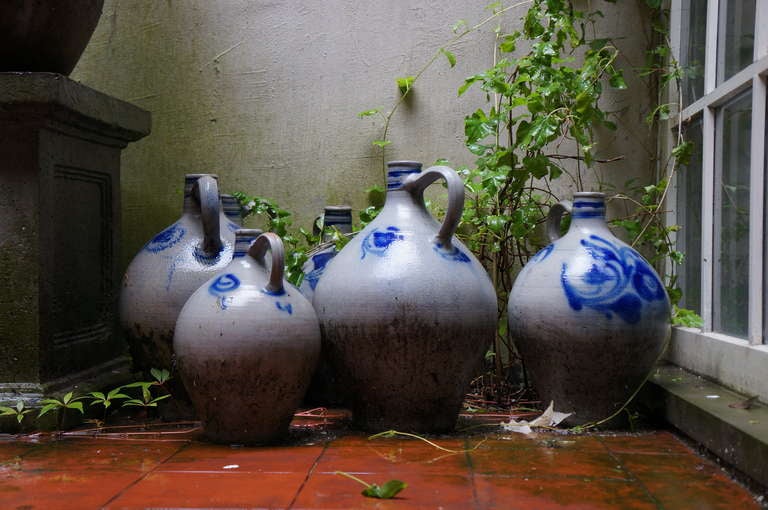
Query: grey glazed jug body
[[588, 314], [247, 344], [406, 311], [169, 268]]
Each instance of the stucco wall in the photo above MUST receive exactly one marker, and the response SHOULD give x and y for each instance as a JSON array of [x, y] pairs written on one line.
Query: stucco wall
[[266, 95]]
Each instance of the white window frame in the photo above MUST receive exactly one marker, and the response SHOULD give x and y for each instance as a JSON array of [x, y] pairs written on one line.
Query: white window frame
[[738, 363]]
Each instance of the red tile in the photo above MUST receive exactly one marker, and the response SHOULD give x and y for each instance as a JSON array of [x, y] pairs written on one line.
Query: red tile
[[540, 440], [390, 457], [327, 491], [687, 481], [651, 442], [547, 461], [210, 490], [62, 489], [202, 457], [560, 493], [84, 454]]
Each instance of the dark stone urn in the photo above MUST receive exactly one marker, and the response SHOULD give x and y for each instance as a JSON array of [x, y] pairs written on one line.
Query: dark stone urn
[[45, 35]]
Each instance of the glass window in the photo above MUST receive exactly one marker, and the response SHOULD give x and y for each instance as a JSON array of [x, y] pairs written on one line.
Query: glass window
[[689, 218], [731, 275], [735, 38], [693, 44]]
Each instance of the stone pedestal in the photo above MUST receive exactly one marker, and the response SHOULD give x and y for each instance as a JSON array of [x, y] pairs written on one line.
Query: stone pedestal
[[60, 145]]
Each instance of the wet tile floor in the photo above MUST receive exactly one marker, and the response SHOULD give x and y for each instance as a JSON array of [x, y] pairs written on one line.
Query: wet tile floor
[[652, 470]]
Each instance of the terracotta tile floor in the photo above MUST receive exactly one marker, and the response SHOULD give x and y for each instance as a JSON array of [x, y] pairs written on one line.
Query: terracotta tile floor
[[651, 470]]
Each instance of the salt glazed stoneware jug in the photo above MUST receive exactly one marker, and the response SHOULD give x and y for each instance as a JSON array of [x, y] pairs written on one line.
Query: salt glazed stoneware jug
[[247, 343], [588, 314], [406, 311], [168, 269], [340, 218]]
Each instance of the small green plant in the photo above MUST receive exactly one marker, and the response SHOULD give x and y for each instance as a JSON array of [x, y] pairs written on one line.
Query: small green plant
[[107, 399], [68, 401], [19, 411], [387, 490]]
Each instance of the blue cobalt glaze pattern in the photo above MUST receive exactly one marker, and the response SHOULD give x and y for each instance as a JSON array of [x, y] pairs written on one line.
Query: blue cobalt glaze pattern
[[618, 282], [378, 241], [223, 284], [287, 307], [455, 255], [586, 208], [319, 262], [165, 239], [395, 178], [204, 258], [542, 254]]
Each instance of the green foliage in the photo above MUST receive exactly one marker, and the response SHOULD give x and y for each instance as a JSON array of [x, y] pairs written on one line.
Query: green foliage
[[404, 84], [68, 401], [387, 490], [278, 220], [114, 397], [106, 400], [685, 317], [19, 411]]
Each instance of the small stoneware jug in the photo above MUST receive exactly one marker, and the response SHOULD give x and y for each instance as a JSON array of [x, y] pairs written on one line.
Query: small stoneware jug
[[406, 311], [247, 343], [338, 217], [588, 314], [169, 268]]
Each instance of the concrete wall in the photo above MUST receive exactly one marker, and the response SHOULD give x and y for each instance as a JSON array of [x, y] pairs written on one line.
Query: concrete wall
[[265, 93]]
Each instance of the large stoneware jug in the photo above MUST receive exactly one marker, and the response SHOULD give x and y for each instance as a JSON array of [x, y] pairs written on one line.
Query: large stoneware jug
[[170, 267], [406, 311], [588, 314], [247, 344]]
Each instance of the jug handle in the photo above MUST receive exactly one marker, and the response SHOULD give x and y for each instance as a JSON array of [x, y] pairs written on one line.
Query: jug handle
[[206, 191], [417, 183], [258, 249], [554, 217]]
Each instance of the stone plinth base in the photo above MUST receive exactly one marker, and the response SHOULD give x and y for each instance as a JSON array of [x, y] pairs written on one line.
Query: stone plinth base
[[60, 145]]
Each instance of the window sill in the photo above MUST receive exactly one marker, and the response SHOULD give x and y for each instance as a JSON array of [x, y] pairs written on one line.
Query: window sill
[[729, 361]]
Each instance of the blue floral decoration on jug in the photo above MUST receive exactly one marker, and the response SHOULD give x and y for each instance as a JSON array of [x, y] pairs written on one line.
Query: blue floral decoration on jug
[[379, 241], [165, 239], [223, 284], [319, 261], [618, 282]]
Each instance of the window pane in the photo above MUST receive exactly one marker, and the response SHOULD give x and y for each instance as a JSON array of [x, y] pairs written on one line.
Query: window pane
[[692, 45], [736, 37], [689, 219], [732, 217]]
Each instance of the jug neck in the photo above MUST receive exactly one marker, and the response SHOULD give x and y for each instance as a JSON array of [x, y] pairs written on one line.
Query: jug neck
[[588, 211], [244, 237], [339, 217], [192, 205], [397, 173], [231, 208]]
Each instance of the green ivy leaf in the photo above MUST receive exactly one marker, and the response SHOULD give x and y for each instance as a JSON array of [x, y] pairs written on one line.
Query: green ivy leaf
[[387, 491], [381, 143], [617, 81], [405, 84], [369, 113], [450, 56]]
